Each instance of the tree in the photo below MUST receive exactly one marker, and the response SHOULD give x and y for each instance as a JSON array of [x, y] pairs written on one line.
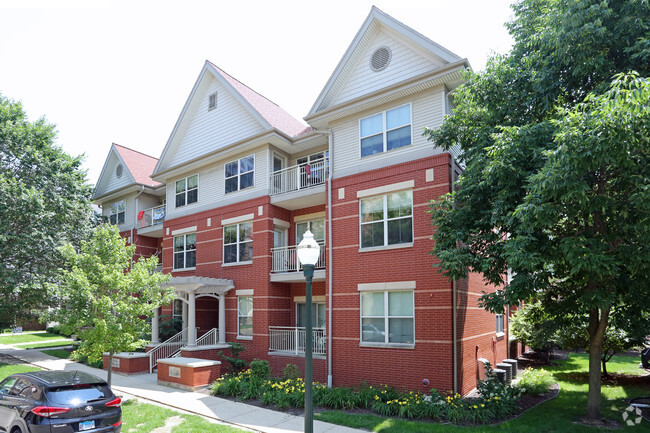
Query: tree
[[105, 299], [556, 162], [44, 203]]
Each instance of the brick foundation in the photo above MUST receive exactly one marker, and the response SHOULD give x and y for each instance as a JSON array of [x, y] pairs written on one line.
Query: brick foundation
[[187, 373], [128, 363]]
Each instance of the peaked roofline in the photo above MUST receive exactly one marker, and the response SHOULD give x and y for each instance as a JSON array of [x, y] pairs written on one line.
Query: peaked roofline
[[105, 167], [382, 17], [269, 114]]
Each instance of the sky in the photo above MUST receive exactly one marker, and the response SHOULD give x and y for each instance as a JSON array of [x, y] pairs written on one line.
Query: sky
[[116, 71]]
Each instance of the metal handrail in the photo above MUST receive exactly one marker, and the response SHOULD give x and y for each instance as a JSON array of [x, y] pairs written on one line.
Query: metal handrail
[[285, 259], [152, 216], [299, 176], [168, 348], [292, 339], [210, 338]]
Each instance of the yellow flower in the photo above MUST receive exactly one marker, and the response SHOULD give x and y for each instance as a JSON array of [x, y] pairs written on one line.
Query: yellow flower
[[482, 405]]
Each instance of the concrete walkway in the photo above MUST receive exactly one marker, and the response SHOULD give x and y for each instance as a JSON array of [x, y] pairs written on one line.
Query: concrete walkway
[[145, 387]]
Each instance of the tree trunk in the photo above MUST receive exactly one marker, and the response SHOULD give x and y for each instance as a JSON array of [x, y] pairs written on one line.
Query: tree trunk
[[604, 366], [597, 324], [110, 367]]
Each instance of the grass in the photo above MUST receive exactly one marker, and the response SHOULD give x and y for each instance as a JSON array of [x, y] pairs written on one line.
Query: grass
[[8, 369], [46, 344], [28, 338], [143, 418], [558, 415], [59, 353]]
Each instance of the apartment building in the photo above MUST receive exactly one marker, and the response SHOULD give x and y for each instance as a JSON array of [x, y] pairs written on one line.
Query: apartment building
[[240, 181]]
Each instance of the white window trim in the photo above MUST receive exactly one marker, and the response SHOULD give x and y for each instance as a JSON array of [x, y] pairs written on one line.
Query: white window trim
[[239, 336], [499, 319], [238, 175], [186, 190], [384, 131], [386, 344], [386, 245], [213, 107], [117, 215], [185, 250], [237, 243]]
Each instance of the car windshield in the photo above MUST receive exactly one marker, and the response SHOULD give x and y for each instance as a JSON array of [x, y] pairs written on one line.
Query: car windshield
[[79, 394]]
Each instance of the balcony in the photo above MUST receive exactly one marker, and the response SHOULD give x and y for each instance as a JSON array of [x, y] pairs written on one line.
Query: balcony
[[291, 340], [300, 185], [150, 221], [286, 267]]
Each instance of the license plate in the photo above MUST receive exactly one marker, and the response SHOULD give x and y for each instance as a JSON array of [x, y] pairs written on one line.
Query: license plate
[[86, 425]]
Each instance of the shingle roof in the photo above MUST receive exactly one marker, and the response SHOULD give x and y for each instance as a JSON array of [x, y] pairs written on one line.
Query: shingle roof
[[139, 165], [271, 112]]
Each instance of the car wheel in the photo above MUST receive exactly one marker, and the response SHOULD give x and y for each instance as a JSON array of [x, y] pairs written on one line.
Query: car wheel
[[16, 430]]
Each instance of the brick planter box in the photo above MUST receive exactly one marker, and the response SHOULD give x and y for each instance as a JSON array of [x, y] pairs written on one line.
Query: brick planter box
[[128, 363], [187, 373]]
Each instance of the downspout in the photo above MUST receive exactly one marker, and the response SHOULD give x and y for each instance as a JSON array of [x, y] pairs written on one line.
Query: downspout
[[454, 315], [135, 217], [330, 142]]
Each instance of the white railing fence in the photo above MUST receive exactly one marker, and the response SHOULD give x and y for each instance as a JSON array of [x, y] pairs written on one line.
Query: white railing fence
[[299, 176], [167, 349], [209, 338], [292, 339], [285, 259], [152, 216]]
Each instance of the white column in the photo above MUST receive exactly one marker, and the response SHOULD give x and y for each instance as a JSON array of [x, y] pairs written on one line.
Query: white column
[[154, 327], [184, 313], [222, 318], [191, 320]]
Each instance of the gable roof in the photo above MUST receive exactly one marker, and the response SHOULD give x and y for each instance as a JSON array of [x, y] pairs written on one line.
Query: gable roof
[[376, 19], [271, 112], [137, 169], [139, 165], [269, 115]]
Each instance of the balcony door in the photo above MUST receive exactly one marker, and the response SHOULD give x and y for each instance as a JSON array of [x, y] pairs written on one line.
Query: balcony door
[[317, 314], [317, 227], [279, 179]]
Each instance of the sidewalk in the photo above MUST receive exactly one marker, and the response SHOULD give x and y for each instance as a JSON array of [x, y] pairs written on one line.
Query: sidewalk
[[144, 386]]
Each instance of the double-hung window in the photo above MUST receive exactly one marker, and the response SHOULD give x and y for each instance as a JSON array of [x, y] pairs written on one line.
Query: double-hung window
[[238, 243], [387, 219], [187, 190], [499, 324], [245, 316], [240, 174], [185, 251], [387, 317], [385, 131], [117, 212]]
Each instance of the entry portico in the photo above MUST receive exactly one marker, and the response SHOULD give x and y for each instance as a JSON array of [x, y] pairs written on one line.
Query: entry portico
[[188, 289]]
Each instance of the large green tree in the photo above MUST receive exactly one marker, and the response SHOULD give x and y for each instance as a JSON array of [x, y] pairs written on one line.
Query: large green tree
[[44, 203], [105, 297], [556, 181]]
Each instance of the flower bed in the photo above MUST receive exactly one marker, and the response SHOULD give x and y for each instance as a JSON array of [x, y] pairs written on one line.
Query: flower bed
[[496, 400]]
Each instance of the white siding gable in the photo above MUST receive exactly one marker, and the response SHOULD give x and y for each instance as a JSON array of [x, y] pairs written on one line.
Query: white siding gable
[[427, 110], [129, 211], [109, 181], [405, 63], [210, 130]]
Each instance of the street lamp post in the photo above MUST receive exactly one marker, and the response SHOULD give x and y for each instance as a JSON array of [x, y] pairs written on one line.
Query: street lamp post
[[308, 253]]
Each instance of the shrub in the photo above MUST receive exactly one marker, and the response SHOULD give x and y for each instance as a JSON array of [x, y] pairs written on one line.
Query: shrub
[[236, 364], [336, 398], [535, 382], [291, 371], [260, 369]]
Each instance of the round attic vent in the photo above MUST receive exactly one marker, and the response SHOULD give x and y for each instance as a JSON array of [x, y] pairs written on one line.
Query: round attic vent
[[119, 170], [380, 59]]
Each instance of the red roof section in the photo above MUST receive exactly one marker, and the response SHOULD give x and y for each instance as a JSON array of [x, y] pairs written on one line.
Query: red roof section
[[140, 166], [271, 112]]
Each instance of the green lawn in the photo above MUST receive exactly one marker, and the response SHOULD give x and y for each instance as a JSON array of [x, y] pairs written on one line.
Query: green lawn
[[27, 338], [46, 344], [7, 369], [557, 415], [143, 418], [59, 353]]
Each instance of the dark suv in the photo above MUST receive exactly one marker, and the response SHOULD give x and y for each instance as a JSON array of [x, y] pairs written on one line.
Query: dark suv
[[58, 402]]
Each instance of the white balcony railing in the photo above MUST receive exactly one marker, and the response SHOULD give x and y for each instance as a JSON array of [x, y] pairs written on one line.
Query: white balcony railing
[[151, 217], [291, 339], [285, 259], [299, 177]]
